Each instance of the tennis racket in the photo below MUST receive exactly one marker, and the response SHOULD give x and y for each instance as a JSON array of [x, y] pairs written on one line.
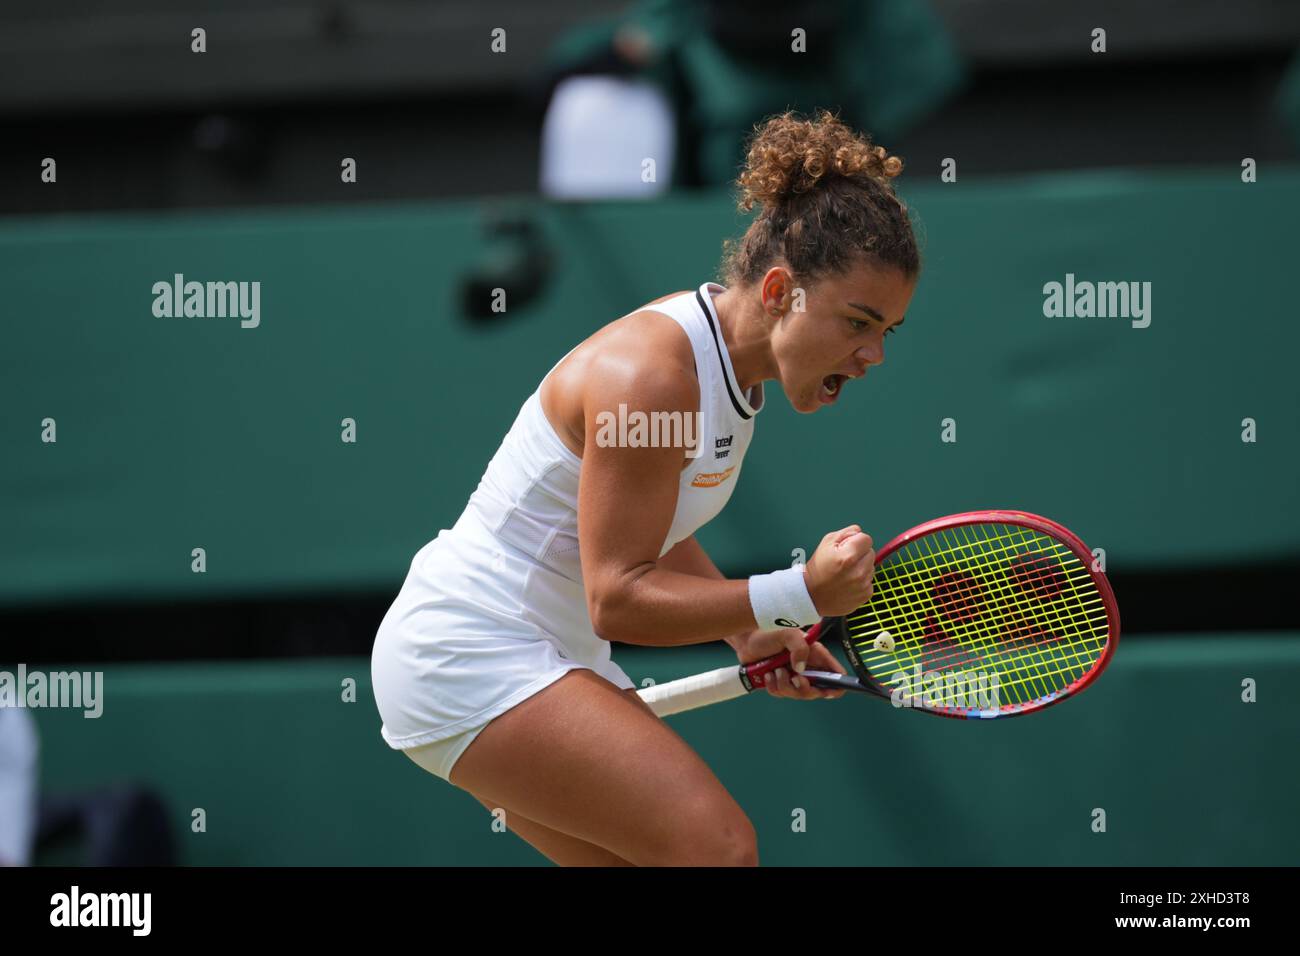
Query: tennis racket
[[978, 615]]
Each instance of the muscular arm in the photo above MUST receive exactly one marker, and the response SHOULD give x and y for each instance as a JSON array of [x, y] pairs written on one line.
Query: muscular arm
[[626, 501], [689, 557]]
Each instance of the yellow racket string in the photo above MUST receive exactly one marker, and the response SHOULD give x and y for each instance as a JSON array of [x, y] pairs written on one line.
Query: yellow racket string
[[996, 655], [1050, 615], [1007, 661], [1032, 664], [971, 628], [1025, 608], [908, 588], [997, 595]]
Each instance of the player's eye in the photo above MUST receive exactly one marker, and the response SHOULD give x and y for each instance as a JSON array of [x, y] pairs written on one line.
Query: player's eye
[[890, 330], [858, 324]]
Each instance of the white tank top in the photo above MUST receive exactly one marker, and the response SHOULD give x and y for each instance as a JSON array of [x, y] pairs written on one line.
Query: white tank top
[[527, 499], [494, 608]]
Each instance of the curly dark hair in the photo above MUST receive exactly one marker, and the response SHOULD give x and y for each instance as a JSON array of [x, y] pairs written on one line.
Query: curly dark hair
[[827, 201]]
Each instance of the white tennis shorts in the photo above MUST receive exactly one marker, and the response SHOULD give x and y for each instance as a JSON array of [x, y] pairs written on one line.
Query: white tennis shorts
[[438, 758], [466, 640]]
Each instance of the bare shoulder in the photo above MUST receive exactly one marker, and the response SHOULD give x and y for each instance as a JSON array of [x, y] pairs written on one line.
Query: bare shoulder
[[647, 355], [644, 359]]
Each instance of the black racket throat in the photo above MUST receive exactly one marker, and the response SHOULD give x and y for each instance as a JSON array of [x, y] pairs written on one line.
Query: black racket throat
[[835, 630], [829, 680]]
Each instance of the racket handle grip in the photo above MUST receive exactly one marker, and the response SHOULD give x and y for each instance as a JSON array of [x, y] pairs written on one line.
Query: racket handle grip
[[757, 671], [698, 690]]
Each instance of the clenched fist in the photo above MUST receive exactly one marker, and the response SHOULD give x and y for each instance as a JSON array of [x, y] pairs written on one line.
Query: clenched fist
[[838, 575]]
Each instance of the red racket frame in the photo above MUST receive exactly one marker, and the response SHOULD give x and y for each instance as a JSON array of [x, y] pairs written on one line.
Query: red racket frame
[[755, 674]]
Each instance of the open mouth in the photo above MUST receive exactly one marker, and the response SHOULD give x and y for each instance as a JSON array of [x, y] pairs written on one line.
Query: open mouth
[[831, 386]]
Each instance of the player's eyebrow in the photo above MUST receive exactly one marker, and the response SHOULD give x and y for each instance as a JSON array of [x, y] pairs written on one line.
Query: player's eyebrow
[[869, 310], [874, 314]]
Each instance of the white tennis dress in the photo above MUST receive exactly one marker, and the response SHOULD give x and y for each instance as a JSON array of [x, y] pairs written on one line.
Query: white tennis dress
[[493, 610]]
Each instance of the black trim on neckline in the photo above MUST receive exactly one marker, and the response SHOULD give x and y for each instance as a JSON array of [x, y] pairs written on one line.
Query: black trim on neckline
[[726, 379]]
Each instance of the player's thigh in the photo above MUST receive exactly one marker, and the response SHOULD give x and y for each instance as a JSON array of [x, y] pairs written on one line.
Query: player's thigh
[[559, 848], [583, 758], [633, 696]]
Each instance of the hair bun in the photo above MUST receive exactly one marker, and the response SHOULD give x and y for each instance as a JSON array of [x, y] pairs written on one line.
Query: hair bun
[[789, 155]]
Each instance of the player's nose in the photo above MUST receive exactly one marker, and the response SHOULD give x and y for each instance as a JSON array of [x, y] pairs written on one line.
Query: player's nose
[[869, 355]]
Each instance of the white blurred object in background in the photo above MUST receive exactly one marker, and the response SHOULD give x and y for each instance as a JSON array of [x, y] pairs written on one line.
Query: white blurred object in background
[[598, 132], [18, 749]]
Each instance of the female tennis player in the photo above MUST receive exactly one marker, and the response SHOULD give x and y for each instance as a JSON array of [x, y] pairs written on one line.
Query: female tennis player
[[492, 668]]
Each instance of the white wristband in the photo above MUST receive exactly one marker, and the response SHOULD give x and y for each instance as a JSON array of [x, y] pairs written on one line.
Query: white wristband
[[781, 599]]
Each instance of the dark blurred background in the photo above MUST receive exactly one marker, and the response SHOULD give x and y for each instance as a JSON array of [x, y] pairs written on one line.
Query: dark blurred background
[[141, 123]]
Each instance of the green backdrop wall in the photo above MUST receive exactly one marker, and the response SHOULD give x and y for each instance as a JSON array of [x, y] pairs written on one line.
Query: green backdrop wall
[[177, 433], [1187, 773]]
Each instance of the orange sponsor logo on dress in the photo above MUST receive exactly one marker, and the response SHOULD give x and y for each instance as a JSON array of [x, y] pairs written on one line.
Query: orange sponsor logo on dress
[[711, 479]]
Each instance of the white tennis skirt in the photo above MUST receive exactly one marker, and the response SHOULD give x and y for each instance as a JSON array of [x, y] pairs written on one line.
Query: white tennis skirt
[[477, 628]]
